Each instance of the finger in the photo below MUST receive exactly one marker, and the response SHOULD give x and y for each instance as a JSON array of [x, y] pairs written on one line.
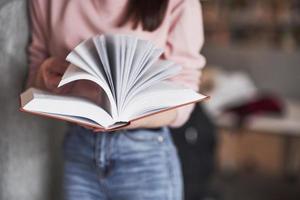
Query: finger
[[56, 66], [52, 81], [52, 73], [52, 86], [66, 89]]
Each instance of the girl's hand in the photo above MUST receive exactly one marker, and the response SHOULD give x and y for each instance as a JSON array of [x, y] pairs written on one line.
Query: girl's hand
[[154, 121], [50, 74]]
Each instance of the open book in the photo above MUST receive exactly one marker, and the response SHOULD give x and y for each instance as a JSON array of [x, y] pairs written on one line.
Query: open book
[[133, 79]]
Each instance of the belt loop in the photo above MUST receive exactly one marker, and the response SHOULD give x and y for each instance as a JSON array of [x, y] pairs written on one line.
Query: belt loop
[[100, 150], [103, 150]]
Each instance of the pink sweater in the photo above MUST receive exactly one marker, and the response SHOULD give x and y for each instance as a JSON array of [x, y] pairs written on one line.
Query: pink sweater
[[59, 25]]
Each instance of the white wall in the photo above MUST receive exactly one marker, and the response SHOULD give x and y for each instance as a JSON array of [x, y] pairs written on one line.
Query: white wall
[[30, 162], [273, 70]]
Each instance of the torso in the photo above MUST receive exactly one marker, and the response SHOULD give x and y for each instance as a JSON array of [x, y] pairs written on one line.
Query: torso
[[72, 21]]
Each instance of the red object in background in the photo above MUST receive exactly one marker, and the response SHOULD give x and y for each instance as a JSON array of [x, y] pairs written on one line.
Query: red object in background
[[266, 104]]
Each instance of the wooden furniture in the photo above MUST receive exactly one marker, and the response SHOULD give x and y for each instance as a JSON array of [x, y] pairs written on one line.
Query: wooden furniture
[[265, 142]]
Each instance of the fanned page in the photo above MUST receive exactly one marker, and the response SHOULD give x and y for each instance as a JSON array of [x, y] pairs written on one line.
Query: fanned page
[[131, 75], [161, 96]]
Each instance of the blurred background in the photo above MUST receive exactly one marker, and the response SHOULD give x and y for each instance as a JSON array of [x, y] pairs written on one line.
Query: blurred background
[[252, 75], [242, 144]]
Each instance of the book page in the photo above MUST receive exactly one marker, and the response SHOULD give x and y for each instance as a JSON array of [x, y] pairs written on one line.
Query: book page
[[114, 56], [130, 44], [147, 64], [76, 60], [40, 101], [143, 47], [74, 73], [86, 53], [161, 70], [121, 68], [159, 97], [100, 44]]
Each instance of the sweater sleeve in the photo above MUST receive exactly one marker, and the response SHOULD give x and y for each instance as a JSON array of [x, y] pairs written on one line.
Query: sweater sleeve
[[184, 42], [37, 48]]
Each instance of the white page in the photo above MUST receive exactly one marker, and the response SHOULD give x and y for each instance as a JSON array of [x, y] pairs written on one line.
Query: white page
[[39, 101], [161, 70], [100, 44], [145, 55], [147, 65], [76, 60], [88, 52], [159, 97], [82, 120], [122, 67], [74, 73], [113, 52], [85, 56], [142, 48], [141, 71], [130, 47], [117, 56]]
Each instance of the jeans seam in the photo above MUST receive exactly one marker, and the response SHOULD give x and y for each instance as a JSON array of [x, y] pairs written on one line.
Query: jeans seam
[[97, 147], [170, 174]]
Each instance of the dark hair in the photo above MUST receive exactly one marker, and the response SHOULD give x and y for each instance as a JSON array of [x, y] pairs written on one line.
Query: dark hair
[[148, 13]]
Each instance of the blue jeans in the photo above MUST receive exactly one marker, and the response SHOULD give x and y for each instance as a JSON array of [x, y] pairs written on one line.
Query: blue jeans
[[124, 165]]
